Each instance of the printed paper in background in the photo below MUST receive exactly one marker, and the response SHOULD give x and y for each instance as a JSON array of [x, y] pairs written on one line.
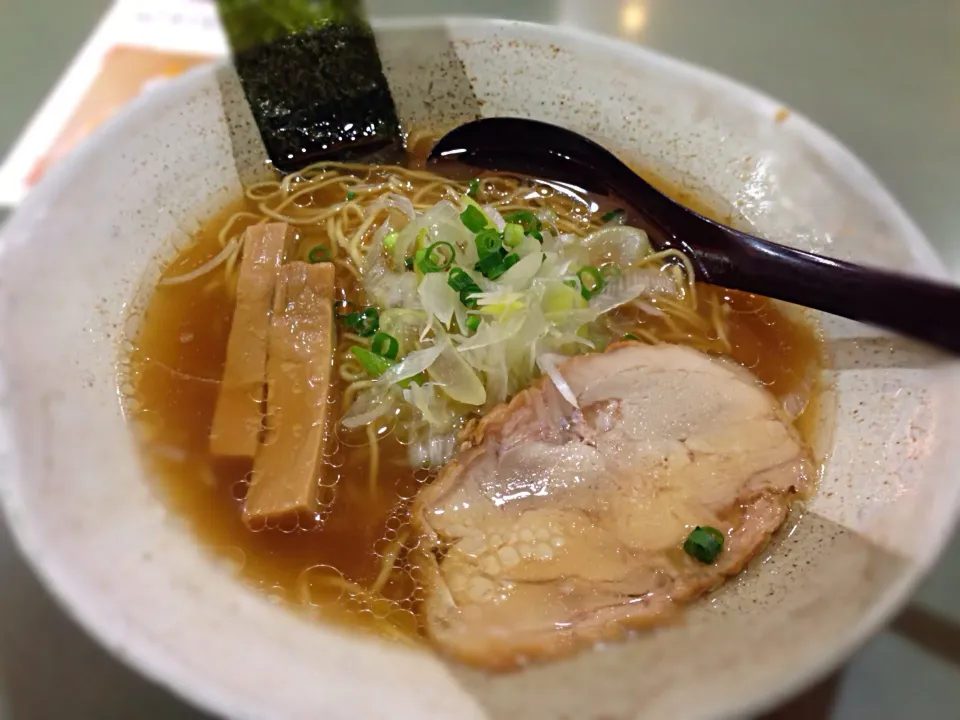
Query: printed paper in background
[[138, 45]]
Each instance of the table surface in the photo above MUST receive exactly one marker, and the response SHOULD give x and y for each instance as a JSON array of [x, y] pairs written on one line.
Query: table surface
[[879, 74]]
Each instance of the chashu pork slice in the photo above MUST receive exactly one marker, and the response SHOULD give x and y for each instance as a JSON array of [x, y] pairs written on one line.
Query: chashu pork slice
[[555, 527]]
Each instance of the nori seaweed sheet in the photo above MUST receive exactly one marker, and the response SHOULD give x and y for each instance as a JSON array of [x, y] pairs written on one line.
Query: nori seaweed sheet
[[257, 22], [320, 94]]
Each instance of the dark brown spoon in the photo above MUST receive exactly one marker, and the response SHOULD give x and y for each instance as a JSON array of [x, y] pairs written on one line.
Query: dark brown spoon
[[911, 306]]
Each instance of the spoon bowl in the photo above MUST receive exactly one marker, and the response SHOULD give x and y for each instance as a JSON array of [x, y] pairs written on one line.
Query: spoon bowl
[[721, 255]]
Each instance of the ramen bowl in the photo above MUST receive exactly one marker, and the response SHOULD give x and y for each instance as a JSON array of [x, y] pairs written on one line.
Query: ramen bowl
[[81, 254]]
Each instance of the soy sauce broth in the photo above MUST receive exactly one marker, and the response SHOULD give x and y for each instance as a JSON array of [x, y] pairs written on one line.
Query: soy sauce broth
[[175, 369]]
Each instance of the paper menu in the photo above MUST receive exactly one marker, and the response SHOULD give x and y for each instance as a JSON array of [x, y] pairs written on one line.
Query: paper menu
[[138, 44]]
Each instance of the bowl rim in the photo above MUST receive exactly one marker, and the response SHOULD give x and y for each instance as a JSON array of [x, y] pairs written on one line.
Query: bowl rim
[[164, 668]]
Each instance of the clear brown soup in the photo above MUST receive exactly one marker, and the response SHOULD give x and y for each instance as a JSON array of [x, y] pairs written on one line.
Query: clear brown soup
[[175, 368]]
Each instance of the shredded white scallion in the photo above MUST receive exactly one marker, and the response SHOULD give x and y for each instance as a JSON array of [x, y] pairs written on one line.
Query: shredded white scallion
[[467, 350], [548, 363]]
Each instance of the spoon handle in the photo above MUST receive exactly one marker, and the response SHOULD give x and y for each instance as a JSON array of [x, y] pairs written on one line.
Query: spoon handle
[[914, 307], [918, 308]]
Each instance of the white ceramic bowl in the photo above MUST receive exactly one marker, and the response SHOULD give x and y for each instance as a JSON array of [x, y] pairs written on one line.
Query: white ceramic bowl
[[78, 254]]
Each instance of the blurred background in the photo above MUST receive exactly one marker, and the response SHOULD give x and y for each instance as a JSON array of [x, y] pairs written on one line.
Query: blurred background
[[881, 75]]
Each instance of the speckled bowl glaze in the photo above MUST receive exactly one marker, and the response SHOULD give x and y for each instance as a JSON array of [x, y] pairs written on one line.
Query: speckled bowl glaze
[[79, 254]]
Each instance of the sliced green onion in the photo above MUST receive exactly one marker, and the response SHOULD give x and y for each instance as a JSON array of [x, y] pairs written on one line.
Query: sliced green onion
[[385, 345], [524, 218], [512, 234], [488, 243], [433, 259], [704, 544], [505, 264], [611, 270], [528, 221], [351, 195], [473, 218], [489, 264], [318, 254], [390, 240], [369, 322], [473, 187], [375, 365], [422, 237], [420, 251], [364, 323], [465, 294], [631, 336], [570, 283], [346, 305], [420, 378], [350, 319], [459, 279], [473, 322], [608, 216], [591, 281], [496, 272]]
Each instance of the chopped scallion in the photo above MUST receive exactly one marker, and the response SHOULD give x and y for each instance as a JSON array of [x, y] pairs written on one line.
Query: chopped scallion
[[364, 323], [408, 263], [436, 258], [318, 254], [611, 270], [473, 218], [473, 187], [704, 544], [528, 221], [385, 345], [496, 271], [470, 302], [525, 218], [512, 234], [591, 281], [351, 195], [505, 264], [473, 322], [422, 237], [459, 279], [420, 378], [488, 243], [375, 365], [390, 240], [631, 336], [489, 264], [345, 305], [608, 216]]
